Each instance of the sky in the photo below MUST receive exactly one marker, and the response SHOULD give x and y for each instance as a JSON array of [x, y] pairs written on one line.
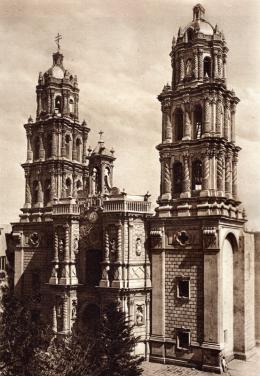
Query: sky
[[119, 49]]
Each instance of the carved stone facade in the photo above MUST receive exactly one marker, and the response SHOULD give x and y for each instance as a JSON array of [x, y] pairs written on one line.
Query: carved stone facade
[[184, 275]]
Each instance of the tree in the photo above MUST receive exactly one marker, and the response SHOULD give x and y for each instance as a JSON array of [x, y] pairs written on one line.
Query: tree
[[115, 343], [20, 337]]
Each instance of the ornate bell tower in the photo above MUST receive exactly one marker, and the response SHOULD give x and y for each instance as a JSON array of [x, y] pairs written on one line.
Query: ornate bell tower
[[197, 235]]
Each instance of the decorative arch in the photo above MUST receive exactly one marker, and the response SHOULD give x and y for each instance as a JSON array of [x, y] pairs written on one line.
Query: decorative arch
[[178, 121], [197, 121], [207, 67], [177, 170]]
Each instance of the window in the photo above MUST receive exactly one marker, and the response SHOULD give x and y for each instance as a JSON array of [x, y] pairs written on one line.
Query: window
[[177, 177], [183, 288], [207, 67], [196, 175], [198, 121], [183, 339], [178, 117], [71, 106]]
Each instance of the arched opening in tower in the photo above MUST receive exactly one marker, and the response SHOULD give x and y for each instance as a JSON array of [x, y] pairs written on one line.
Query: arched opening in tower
[[36, 148], [71, 106], [67, 145], [177, 177], [198, 128], [48, 147], [58, 104], [196, 175], [207, 67], [78, 149], [189, 34], [178, 124]]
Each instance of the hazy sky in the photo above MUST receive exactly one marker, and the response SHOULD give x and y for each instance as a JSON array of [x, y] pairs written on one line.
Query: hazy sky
[[119, 50]]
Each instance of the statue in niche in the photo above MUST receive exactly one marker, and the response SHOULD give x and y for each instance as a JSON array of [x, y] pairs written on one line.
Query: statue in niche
[[138, 247], [76, 246], [94, 182], [112, 249], [61, 249], [139, 315], [188, 68], [74, 309]]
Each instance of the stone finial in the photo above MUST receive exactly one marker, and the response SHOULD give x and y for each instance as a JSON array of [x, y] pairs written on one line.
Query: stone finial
[[84, 123], [30, 119], [89, 150], [112, 151]]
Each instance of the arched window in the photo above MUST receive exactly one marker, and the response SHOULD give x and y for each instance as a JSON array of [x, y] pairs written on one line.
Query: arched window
[[177, 177], [67, 145], [35, 188], [36, 148], [189, 34], [207, 67], [48, 146], [178, 120], [196, 175], [71, 106], [198, 126], [68, 187], [58, 104], [78, 149], [47, 191]]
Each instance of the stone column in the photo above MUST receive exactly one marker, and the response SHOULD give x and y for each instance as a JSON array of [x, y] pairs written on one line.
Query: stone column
[[196, 66], [54, 145], [66, 103], [52, 102], [55, 261], [63, 147], [48, 102], [74, 149], [182, 69], [104, 282], [166, 119], [224, 66], [76, 106], [218, 117], [215, 64], [39, 104], [212, 117], [85, 138], [54, 318], [53, 186], [226, 120], [206, 130], [186, 181], [28, 196], [187, 124], [67, 244], [234, 175], [166, 179], [41, 150], [74, 182], [220, 73], [119, 242], [205, 179], [200, 53], [40, 194], [65, 313], [228, 175], [233, 125], [117, 282], [29, 146], [220, 172]]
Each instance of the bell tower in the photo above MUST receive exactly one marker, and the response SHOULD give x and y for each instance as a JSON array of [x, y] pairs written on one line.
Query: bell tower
[[56, 143], [198, 242]]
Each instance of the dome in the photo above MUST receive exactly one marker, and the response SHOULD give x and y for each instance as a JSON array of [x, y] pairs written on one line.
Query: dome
[[201, 26], [57, 72]]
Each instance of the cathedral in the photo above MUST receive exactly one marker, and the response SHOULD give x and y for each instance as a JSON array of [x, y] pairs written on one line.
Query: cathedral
[[185, 273]]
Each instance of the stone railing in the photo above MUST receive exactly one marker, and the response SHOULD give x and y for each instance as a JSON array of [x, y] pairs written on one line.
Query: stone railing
[[63, 209], [126, 206]]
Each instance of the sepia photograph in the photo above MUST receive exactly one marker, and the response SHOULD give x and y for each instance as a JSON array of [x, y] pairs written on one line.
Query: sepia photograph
[[130, 185]]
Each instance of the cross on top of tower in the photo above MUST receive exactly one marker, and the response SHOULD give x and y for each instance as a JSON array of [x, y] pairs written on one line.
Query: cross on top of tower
[[100, 136], [57, 40]]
